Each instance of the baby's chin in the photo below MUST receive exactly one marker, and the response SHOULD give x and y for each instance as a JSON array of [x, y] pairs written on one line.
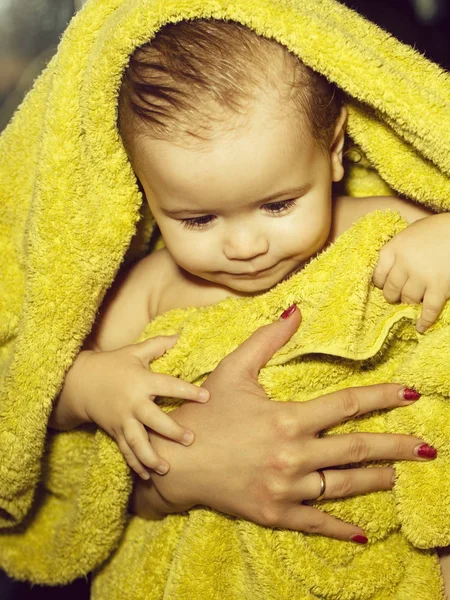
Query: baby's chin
[[249, 286]]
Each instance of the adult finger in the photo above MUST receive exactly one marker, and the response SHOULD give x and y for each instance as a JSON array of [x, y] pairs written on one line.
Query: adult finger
[[342, 483], [255, 352], [311, 520], [297, 518], [160, 384], [433, 303], [334, 408], [350, 448]]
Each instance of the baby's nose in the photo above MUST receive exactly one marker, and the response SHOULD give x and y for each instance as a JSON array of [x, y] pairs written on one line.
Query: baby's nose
[[244, 244]]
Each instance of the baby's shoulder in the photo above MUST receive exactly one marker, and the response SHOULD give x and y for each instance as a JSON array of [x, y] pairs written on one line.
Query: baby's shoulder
[[154, 274], [126, 309], [347, 210]]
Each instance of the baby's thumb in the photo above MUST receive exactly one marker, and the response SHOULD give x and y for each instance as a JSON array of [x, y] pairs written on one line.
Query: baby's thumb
[[259, 348], [153, 348]]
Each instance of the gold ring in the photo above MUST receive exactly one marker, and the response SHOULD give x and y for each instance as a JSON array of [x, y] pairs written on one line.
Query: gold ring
[[323, 485]]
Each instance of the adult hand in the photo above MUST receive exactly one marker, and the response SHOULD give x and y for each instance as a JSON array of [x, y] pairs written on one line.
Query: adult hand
[[258, 459]]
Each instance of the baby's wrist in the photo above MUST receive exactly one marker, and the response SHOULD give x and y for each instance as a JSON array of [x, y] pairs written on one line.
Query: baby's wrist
[[69, 411], [78, 406]]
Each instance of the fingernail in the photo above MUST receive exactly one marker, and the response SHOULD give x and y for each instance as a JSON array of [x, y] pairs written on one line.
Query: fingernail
[[410, 394], [288, 312], [162, 469], [203, 395], [359, 539], [188, 438], [145, 476], [420, 328], [426, 451]]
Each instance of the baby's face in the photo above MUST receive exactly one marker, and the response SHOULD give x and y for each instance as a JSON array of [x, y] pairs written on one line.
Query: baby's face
[[248, 208]]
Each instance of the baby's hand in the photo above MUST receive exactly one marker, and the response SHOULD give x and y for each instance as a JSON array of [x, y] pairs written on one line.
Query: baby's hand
[[415, 266], [117, 390]]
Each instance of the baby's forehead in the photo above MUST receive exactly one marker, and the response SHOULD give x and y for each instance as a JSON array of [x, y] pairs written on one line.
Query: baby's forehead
[[266, 110]]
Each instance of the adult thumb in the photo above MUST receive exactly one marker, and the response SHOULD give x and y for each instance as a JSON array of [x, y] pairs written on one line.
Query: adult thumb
[[259, 348]]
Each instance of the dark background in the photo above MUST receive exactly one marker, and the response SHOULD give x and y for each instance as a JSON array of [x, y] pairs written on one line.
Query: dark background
[[29, 34]]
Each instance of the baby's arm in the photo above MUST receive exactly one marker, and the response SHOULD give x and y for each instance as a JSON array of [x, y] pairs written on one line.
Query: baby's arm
[[414, 266], [110, 384]]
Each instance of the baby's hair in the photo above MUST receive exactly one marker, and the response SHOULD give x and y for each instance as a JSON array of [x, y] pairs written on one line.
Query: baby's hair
[[193, 74]]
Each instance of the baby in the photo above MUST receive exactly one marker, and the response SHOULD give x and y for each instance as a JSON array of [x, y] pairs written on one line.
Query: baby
[[236, 145]]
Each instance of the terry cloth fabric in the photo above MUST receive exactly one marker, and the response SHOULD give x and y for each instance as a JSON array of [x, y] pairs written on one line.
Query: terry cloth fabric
[[71, 214]]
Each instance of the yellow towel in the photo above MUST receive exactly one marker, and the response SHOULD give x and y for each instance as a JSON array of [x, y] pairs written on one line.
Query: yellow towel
[[71, 213]]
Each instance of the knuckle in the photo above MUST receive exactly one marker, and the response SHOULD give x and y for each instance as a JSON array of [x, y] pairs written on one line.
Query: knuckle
[[401, 448], [285, 425], [228, 362], [282, 461], [410, 299], [130, 458], [350, 403], [134, 442], [275, 490], [432, 306], [269, 516], [386, 254], [315, 524], [116, 432], [344, 487], [358, 449]]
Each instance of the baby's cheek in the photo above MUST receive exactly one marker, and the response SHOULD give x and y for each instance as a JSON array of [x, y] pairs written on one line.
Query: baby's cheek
[[193, 255]]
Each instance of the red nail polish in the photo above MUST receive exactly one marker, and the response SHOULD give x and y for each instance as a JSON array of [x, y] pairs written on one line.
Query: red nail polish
[[288, 312], [359, 539], [410, 394], [426, 451]]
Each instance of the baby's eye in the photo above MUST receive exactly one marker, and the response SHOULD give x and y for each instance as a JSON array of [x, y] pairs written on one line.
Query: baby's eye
[[198, 222], [279, 207]]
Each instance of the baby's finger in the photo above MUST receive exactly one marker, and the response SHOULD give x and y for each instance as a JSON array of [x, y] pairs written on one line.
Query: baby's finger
[[132, 460], [394, 284], [382, 268], [433, 303], [154, 418], [153, 348], [172, 387], [136, 438], [413, 291]]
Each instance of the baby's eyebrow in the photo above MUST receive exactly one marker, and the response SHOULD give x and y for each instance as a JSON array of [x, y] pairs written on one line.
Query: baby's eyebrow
[[296, 191]]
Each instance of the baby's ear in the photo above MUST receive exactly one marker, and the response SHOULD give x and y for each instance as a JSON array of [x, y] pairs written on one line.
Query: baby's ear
[[337, 145]]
